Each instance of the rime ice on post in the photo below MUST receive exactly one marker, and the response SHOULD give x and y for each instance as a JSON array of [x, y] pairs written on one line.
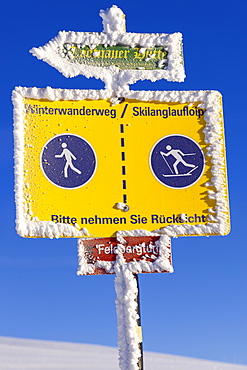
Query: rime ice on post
[[113, 20], [127, 307], [119, 59], [126, 260]]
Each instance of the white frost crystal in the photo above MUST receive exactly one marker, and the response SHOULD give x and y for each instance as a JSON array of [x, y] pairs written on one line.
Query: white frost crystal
[[126, 307], [113, 20]]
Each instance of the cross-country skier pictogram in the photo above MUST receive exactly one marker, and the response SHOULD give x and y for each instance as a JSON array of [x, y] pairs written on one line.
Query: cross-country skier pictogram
[[177, 154], [68, 156], [177, 161]]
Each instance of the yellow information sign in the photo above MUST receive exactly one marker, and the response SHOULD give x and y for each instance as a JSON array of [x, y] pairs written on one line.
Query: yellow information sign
[[97, 168]]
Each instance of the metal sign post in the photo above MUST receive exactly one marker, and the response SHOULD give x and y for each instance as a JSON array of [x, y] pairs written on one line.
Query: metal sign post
[[126, 257], [139, 327], [122, 170]]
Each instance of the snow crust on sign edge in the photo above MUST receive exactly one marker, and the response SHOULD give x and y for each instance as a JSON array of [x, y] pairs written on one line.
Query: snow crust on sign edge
[[213, 131], [114, 33]]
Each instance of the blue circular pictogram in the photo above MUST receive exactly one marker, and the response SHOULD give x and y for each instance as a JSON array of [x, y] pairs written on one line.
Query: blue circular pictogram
[[68, 161], [177, 161]]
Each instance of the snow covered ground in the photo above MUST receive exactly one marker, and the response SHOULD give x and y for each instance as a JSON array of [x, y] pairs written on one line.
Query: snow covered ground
[[28, 354]]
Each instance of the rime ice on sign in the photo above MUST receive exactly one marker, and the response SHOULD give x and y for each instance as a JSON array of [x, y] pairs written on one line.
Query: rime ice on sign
[[185, 199], [150, 253], [117, 57]]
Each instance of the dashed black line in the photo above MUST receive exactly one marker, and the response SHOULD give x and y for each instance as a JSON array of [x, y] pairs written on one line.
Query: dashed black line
[[122, 143], [123, 170]]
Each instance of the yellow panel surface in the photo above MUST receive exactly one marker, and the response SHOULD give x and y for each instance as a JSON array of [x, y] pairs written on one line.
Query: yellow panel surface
[[122, 138]]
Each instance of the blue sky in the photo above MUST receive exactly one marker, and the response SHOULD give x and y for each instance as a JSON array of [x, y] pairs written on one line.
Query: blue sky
[[200, 310]]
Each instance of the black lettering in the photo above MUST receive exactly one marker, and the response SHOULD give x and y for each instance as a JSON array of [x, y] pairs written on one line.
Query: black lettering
[[97, 219], [60, 111], [107, 220], [197, 218], [82, 111], [154, 219], [135, 110], [175, 219], [165, 113], [113, 113], [54, 218], [162, 219], [133, 219]]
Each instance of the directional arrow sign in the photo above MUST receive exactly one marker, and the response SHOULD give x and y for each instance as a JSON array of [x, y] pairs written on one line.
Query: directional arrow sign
[[115, 56], [155, 162]]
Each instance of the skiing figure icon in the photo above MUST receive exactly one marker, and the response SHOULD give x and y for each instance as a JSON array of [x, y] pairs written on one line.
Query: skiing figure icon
[[68, 156], [177, 154], [177, 161]]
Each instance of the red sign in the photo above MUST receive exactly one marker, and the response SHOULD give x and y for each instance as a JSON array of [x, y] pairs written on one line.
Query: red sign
[[143, 248]]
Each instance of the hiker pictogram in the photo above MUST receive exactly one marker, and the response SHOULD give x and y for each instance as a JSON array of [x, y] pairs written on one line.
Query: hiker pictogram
[[68, 161], [177, 161], [69, 156]]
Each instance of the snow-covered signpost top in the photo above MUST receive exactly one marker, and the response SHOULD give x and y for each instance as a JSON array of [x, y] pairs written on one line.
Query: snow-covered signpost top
[[113, 20], [177, 137], [117, 57]]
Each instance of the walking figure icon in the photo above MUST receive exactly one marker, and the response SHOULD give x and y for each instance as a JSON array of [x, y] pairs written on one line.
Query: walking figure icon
[[68, 161], [69, 156], [177, 161]]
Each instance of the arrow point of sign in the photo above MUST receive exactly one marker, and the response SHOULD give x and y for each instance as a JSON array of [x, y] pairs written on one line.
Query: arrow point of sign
[[101, 55], [113, 20]]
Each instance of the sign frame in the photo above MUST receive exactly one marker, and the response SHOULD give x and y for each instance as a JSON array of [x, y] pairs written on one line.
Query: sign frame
[[218, 220]]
